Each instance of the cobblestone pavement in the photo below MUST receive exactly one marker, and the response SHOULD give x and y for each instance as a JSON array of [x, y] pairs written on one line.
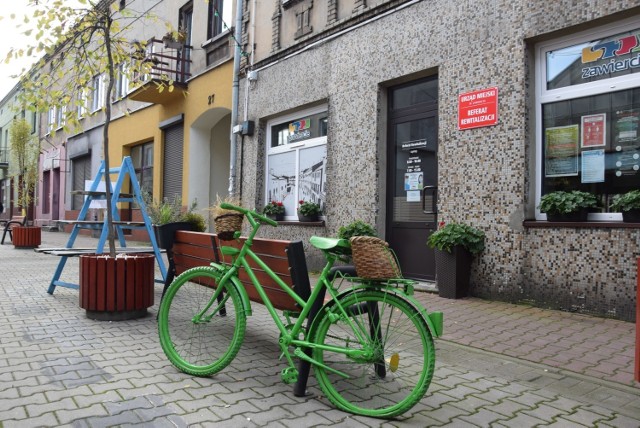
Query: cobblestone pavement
[[497, 365]]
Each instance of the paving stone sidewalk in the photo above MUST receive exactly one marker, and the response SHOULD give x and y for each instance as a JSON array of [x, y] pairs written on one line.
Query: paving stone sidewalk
[[58, 368]]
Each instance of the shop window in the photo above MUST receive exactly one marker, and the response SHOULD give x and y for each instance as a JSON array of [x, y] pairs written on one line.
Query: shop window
[[296, 160], [588, 114]]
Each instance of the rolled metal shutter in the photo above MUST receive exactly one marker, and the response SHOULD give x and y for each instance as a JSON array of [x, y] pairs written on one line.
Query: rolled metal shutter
[[81, 172], [172, 163]]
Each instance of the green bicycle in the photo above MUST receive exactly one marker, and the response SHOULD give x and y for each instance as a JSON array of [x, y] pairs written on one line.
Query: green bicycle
[[371, 345]]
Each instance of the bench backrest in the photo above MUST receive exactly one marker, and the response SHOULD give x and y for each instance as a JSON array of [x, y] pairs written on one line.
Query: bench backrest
[[17, 220], [285, 258]]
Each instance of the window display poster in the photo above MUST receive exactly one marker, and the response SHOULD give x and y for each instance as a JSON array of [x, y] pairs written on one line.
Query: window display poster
[[561, 151], [594, 130], [626, 129], [413, 181], [593, 166], [413, 196], [627, 163]]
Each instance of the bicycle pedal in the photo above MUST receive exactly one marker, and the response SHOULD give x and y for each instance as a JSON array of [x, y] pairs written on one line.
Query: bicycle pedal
[[289, 375]]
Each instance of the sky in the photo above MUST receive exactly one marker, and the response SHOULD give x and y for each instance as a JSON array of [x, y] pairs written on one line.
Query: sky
[[11, 37]]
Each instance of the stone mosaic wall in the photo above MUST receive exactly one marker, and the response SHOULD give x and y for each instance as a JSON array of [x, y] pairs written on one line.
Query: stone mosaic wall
[[484, 174]]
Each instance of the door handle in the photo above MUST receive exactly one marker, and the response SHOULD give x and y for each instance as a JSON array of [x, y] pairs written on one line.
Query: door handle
[[434, 199]]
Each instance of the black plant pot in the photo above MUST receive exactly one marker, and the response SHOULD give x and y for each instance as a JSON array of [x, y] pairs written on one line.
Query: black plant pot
[[575, 216], [305, 218], [631, 216], [165, 233], [276, 217], [453, 271]]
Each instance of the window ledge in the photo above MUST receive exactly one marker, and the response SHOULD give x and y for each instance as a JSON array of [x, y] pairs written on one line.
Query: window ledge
[[586, 224], [319, 223]]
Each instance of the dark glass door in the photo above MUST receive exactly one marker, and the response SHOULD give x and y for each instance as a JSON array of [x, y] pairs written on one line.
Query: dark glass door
[[413, 175]]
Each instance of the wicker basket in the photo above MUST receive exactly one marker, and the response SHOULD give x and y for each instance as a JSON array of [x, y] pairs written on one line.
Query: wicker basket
[[227, 225], [373, 258]]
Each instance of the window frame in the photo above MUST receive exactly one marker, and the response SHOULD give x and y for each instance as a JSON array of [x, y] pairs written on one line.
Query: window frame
[[546, 96], [97, 93], [292, 147]]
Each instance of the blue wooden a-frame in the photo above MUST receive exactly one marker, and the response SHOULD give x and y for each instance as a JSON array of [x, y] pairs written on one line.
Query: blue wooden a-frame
[[124, 171]]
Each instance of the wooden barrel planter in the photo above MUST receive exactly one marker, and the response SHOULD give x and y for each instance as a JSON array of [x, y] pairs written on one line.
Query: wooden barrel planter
[[116, 289], [26, 236]]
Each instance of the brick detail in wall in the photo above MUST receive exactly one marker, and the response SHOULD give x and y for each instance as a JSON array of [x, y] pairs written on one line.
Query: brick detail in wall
[[359, 6], [332, 11], [275, 28]]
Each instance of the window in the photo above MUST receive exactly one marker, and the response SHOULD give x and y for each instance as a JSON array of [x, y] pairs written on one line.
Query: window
[[219, 17], [588, 114], [296, 159], [97, 93], [81, 104], [142, 159], [46, 184], [122, 82], [56, 119]]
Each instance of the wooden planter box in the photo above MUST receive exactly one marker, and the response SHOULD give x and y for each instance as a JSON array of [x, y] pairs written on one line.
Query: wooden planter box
[[26, 236], [116, 289]]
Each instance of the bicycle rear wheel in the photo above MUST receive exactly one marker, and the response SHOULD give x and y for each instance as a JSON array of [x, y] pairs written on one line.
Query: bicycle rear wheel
[[396, 367], [196, 343]]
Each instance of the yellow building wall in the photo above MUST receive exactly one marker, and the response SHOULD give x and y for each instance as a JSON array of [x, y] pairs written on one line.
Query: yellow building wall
[[207, 91]]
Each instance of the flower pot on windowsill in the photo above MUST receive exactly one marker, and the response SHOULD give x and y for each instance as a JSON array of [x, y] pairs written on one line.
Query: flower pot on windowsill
[[276, 217], [631, 216], [308, 218], [575, 216]]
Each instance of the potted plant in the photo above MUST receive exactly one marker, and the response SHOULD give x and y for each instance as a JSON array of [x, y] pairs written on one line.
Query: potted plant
[[168, 216], [227, 222], [274, 210], [175, 39], [629, 204], [567, 206], [454, 245], [356, 228], [308, 211], [25, 152]]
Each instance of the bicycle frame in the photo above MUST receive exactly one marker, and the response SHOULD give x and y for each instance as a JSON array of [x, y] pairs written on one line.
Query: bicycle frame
[[288, 336]]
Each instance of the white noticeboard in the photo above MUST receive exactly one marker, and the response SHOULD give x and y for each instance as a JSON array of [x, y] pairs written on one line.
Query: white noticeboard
[[101, 204]]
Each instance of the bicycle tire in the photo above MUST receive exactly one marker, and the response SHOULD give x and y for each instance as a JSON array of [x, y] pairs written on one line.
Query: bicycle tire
[[204, 348], [398, 371]]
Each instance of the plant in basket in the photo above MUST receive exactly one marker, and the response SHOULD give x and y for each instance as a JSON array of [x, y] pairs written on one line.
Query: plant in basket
[[274, 210], [356, 228], [308, 211], [227, 222]]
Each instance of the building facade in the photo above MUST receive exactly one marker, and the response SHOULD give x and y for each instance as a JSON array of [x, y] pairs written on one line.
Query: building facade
[[406, 114]]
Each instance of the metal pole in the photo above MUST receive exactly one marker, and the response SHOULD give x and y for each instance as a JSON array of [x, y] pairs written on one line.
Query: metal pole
[[637, 371], [234, 98]]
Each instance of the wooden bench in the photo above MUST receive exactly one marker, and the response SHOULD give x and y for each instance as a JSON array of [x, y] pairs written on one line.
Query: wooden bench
[[16, 220], [285, 258]]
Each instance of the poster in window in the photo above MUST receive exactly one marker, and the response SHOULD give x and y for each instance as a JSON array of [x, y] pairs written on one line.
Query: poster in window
[[593, 166], [281, 180], [312, 174], [627, 163], [561, 151], [626, 130], [594, 130]]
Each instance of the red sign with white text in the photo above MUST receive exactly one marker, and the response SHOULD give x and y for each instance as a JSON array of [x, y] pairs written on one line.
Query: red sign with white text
[[478, 108]]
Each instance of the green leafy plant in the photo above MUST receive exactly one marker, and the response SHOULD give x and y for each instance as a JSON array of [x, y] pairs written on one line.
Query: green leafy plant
[[454, 234], [171, 211], [561, 202], [627, 201], [25, 151], [357, 228], [273, 208], [308, 208]]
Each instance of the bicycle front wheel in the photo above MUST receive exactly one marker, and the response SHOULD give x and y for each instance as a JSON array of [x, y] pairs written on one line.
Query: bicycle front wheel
[[385, 357], [198, 340]]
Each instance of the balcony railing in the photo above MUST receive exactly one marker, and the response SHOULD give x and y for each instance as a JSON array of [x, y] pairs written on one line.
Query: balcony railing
[[168, 62]]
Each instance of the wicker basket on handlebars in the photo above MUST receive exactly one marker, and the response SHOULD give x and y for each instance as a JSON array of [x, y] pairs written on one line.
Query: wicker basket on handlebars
[[373, 259], [227, 225]]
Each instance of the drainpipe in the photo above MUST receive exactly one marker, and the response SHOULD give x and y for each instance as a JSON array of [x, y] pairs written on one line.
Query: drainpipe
[[234, 98]]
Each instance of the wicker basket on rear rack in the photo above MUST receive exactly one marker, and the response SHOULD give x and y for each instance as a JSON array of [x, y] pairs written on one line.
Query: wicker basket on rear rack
[[227, 225], [373, 259]]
